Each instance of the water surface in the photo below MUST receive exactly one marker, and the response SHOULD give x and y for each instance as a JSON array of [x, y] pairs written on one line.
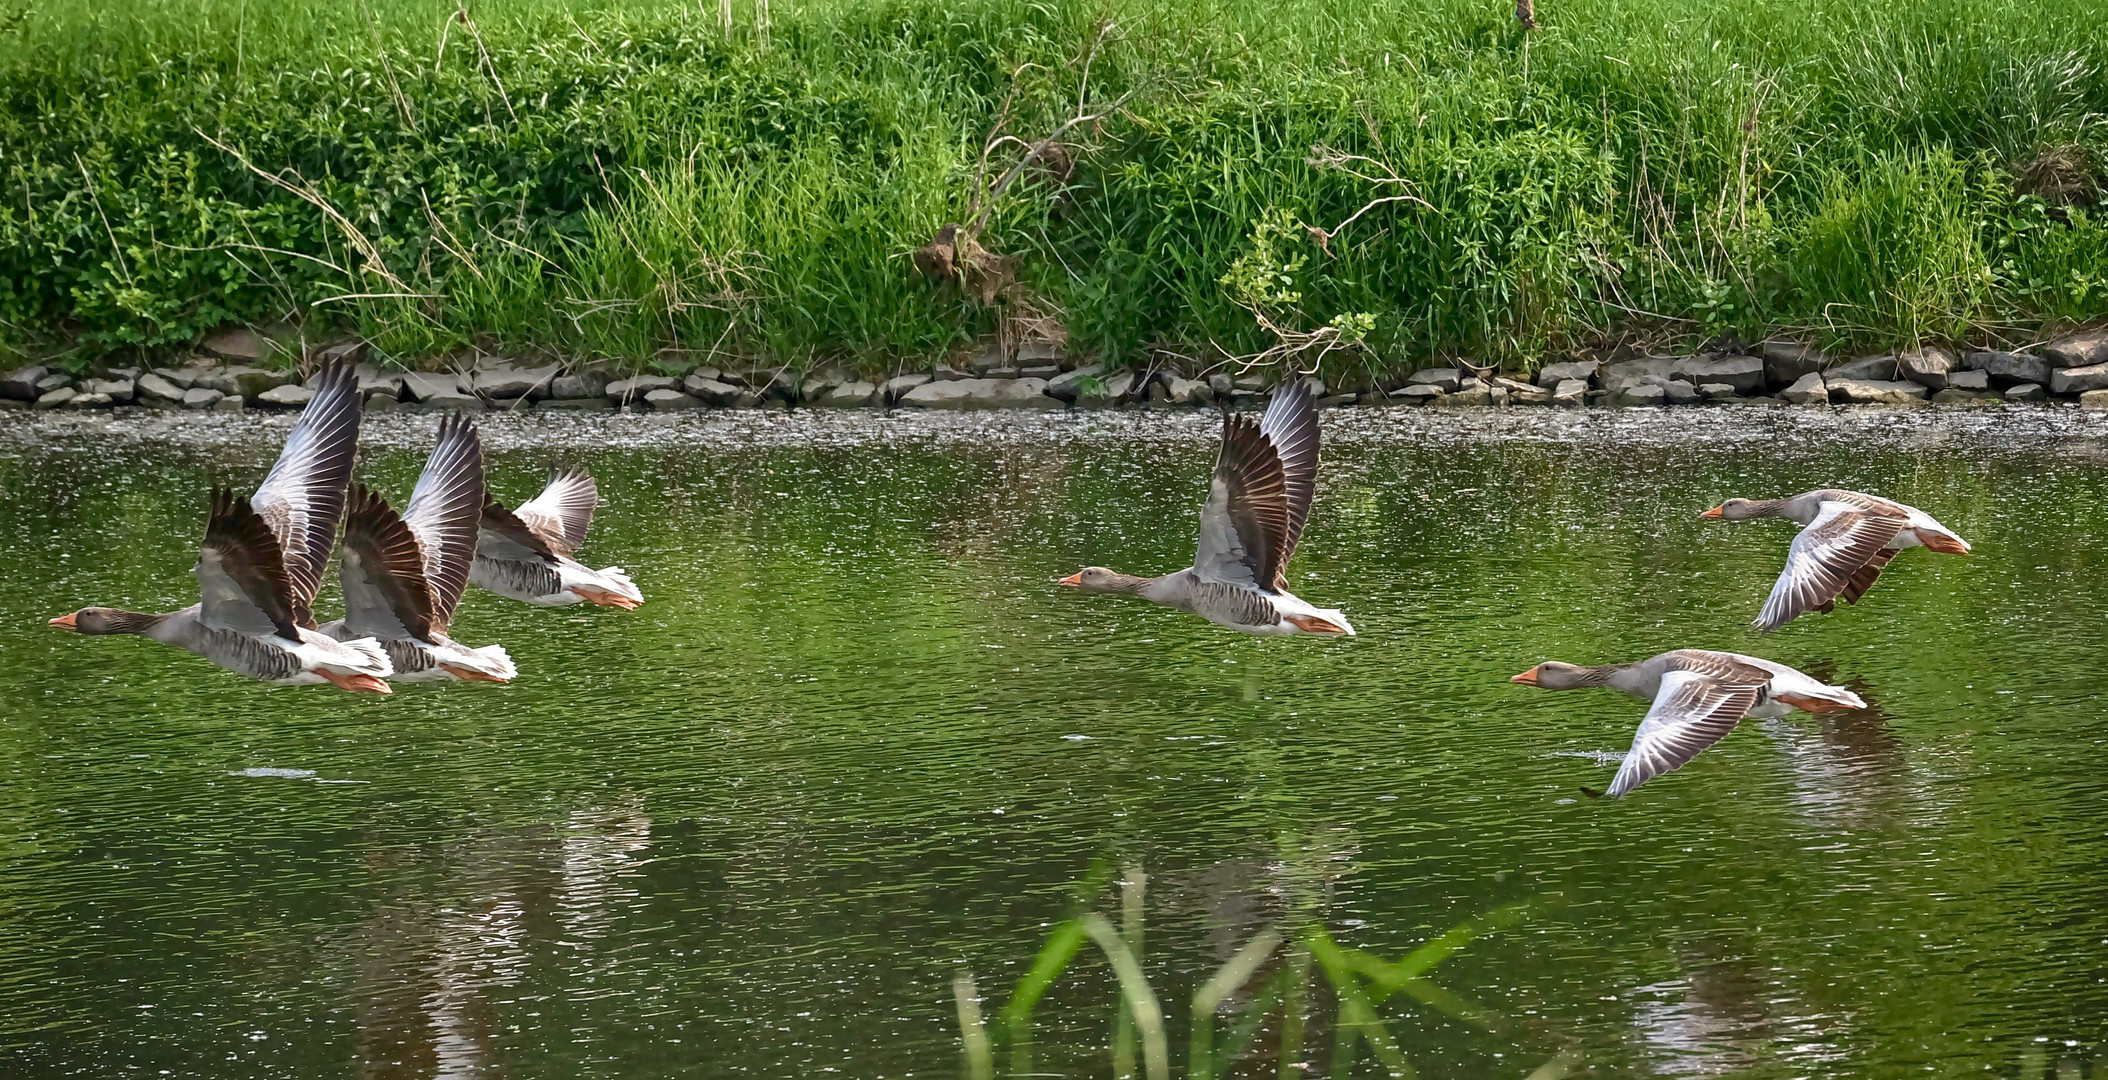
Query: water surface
[[857, 738]]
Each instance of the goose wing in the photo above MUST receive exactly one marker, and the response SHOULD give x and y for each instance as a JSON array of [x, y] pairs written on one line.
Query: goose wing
[[1290, 424], [563, 511], [1824, 558], [302, 498], [1692, 710], [242, 584], [1244, 524], [446, 512], [503, 536], [383, 572]]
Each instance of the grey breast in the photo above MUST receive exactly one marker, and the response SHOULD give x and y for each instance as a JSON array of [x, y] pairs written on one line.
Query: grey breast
[[515, 577]]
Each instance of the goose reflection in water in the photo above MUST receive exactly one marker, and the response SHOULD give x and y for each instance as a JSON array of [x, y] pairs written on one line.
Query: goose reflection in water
[[1725, 1015], [1848, 769], [426, 969]]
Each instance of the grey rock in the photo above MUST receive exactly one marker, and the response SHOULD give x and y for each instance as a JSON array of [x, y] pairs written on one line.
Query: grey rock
[[382, 401], [981, 394], [89, 401], [425, 385], [240, 343], [1334, 401], [1965, 379], [1571, 393], [506, 382], [1421, 394], [1786, 362], [850, 395], [1875, 391], [255, 382], [948, 373], [228, 403], [2095, 400], [1219, 382], [182, 378], [201, 397], [596, 403], [584, 386], [2009, 369], [1929, 366], [57, 398], [1625, 374], [1638, 393], [1446, 379], [1115, 389], [987, 361], [2086, 349], [1188, 391], [1001, 373], [8, 404], [1714, 391], [1679, 392], [21, 383], [457, 401], [1952, 396], [154, 387], [898, 386], [1744, 373], [2027, 393], [1809, 389], [1522, 393], [747, 399], [713, 392], [52, 382], [1551, 375], [348, 352], [1066, 385], [1468, 394], [373, 380], [286, 397], [632, 390], [1039, 352], [2078, 380], [120, 391], [1864, 369], [1249, 384], [1049, 372], [663, 400]]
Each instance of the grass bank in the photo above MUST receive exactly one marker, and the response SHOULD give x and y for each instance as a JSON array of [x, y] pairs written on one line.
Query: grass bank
[[621, 178]]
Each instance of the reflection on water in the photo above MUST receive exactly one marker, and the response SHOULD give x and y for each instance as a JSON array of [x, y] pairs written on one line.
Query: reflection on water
[[857, 739]]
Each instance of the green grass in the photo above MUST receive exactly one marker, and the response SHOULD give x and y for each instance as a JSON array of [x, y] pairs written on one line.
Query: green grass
[[631, 177]]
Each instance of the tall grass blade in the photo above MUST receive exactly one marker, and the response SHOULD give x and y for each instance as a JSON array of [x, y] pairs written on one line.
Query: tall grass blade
[[1225, 981], [1562, 1063], [980, 1061], [1061, 947], [1141, 1001], [1357, 1018]]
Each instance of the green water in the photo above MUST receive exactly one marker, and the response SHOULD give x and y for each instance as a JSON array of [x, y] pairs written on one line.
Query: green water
[[857, 738]]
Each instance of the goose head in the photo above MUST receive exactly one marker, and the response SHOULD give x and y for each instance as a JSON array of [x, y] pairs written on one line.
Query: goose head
[[1555, 675], [103, 620]]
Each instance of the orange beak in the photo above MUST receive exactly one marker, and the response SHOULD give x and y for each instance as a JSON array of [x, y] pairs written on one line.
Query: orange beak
[[1713, 513], [65, 622], [1074, 581], [1527, 678]]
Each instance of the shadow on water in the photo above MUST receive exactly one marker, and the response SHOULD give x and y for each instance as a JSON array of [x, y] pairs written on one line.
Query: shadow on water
[[857, 742]]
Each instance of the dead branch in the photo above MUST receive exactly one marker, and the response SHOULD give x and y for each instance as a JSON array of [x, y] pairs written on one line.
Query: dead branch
[[1322, 157]]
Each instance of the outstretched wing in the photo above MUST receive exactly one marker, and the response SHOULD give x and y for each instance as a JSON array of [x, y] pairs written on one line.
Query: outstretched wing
[[563, 511], [1691, 712], [303, 496], [242, 583], [383, 572], [1824, 558], [445, 513], [1290, 424], [504, 536], [1244, 523]]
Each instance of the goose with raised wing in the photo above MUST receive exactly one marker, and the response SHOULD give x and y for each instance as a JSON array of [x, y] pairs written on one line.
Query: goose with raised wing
[[403, 574], [1697, 697], [262, 560], [526, 553], [1846, 539], [1258, 500]]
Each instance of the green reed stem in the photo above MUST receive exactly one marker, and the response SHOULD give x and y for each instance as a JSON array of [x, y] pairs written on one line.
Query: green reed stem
[[980, 1062], [1141, 1001], [1227, 979]]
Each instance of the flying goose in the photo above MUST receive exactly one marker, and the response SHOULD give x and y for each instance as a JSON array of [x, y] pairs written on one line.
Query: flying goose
[[1846, 539], [1698, 697], [404, 574], [1257, 503], [262, 561], [526, 553]]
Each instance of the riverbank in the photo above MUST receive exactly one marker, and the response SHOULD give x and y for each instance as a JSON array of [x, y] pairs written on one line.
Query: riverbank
[[651, 185], [2073, 369]]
